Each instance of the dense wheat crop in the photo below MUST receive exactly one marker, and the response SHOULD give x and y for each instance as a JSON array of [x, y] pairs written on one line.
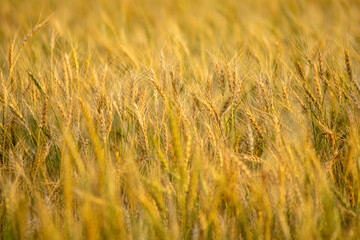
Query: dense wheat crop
[[154, 119]]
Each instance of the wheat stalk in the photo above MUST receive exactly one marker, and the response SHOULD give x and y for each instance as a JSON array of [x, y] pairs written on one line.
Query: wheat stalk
[[25, 41]]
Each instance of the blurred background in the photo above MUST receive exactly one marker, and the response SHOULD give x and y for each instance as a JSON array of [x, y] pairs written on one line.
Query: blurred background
[[134, 25]]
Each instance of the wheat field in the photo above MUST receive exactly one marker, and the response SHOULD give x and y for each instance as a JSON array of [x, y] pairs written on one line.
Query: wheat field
[[154, 119]]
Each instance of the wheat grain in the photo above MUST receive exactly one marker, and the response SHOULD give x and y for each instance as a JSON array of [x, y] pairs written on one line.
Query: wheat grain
[[44, 114], [254, 123]]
